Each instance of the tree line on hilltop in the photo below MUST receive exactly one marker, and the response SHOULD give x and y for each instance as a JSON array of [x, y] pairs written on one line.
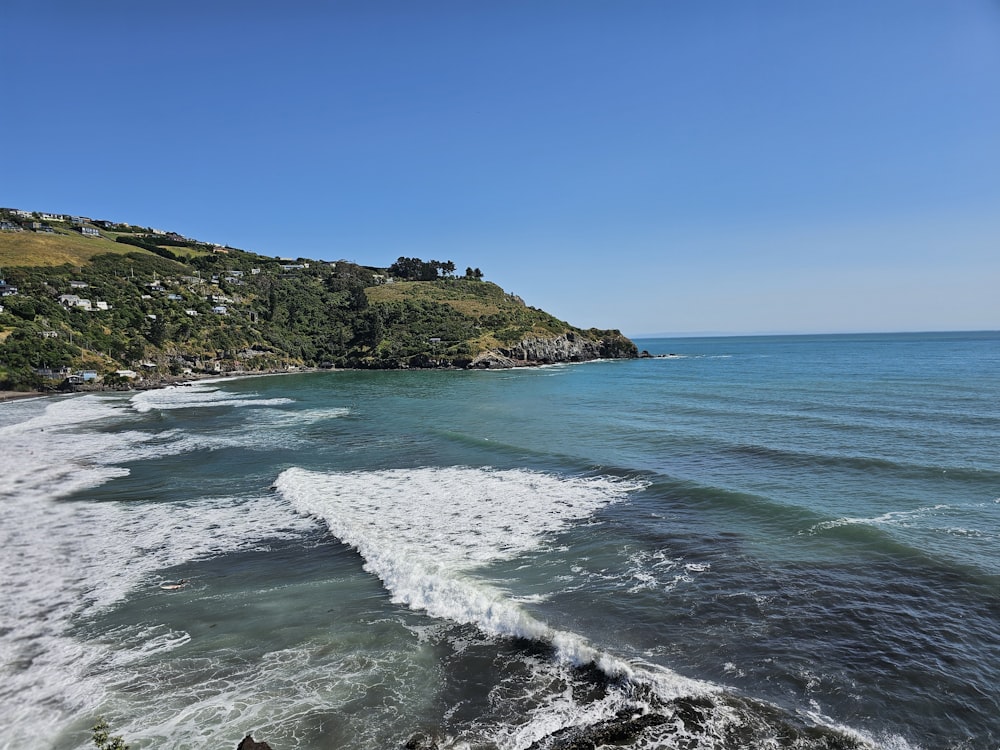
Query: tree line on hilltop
[[415, 269]]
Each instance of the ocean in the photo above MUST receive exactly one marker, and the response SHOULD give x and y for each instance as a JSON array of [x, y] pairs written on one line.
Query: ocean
[[756, 542]]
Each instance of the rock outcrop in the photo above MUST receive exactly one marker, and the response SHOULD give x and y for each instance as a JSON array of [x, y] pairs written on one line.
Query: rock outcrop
[[248, 743], [492, 360], [568, 347]]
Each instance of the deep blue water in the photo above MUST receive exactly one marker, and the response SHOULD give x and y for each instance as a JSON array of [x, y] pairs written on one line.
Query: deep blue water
[[758, 540]]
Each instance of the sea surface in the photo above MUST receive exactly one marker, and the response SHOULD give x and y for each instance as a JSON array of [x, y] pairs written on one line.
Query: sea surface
[[755, 542]]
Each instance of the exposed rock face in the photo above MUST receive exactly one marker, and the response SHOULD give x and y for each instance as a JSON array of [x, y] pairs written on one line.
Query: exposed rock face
[[492, 360], [570, 347]]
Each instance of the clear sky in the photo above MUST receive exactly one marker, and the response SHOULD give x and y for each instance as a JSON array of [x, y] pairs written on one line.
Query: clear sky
[[655, 166]]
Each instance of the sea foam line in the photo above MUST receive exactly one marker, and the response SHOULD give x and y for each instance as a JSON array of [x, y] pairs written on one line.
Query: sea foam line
[[423, 532], [197, 396]]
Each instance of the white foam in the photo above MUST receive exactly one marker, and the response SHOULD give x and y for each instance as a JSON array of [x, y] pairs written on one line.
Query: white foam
[[64, 561], [49, 455], [197, 396], [424, 532], [890, 518]]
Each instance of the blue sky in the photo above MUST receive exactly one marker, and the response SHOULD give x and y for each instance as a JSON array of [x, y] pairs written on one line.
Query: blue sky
[[670, 166]]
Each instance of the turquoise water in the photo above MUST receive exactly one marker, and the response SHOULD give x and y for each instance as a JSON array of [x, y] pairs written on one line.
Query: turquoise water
[[753, 541]]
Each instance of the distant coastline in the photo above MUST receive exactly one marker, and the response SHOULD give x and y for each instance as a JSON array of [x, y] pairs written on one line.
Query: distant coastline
[[93, 300]]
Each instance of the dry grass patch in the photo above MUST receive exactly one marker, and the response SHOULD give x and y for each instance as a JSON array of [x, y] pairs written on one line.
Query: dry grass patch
[[43, 249], [475, 301]]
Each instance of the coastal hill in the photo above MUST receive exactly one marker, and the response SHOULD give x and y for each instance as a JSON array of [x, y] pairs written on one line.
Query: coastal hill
[[101, 299]]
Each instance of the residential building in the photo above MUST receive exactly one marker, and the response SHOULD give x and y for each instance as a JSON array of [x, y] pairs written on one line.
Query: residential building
[[71, 300]]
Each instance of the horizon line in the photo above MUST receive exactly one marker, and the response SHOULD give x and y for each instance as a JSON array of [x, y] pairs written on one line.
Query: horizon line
[[752, 334]]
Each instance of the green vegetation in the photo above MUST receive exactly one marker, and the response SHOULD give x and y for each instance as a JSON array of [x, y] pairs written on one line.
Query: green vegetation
[[162, 305], [103, 739]]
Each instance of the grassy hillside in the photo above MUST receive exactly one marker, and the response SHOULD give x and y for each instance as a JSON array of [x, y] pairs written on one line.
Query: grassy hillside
[[62, 247], [163, 305]]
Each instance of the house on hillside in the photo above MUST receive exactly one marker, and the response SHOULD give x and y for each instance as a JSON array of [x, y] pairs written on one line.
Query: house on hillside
[[71, 300], [104, 224], [89, 231], [78, 284], [7, 290], [9, 226], [220, 310]]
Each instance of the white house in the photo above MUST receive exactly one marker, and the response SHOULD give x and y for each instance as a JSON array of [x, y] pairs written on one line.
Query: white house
[[71, 300]]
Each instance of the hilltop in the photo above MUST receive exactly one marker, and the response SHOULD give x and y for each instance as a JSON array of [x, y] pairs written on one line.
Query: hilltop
[[109, 300]]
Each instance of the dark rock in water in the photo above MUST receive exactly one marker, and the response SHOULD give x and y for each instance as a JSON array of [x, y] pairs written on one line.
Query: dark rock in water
[[249, 743], [421, 741], [687, 721], [622, 729]]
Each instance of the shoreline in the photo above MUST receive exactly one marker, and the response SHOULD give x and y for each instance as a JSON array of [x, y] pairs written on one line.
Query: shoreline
[[8, 396], [215, 377], [11, 396]]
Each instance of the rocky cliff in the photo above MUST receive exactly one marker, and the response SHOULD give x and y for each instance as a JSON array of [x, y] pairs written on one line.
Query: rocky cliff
[[567, 347]]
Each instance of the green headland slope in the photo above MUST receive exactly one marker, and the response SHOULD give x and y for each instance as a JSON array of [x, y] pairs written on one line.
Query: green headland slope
[[99, 297]]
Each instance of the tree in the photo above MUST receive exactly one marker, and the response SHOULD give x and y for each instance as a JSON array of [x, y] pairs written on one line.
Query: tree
[[157, 331]]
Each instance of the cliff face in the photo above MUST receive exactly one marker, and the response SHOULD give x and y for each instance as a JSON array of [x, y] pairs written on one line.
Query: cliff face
[[568, 347]]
